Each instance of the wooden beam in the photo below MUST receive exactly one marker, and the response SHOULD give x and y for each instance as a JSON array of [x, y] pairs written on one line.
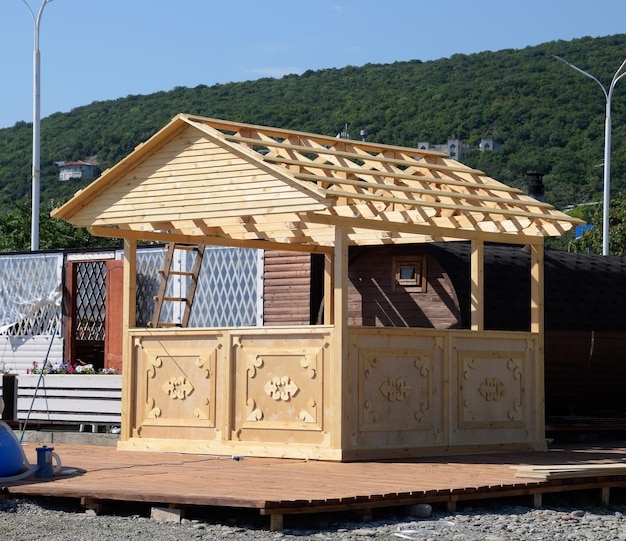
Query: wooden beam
[[537, 288], [459, 168], [322, 140], [537, 277], [426, 229], [340, 378], [128, 322], [362, 172], [477, 288], [496, 211], [130, 234]]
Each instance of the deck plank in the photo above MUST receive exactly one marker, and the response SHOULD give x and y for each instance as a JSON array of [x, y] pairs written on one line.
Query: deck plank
[[288, 486]]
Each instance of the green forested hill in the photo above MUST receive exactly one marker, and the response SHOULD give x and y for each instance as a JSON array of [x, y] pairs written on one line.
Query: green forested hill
[[547, 117]]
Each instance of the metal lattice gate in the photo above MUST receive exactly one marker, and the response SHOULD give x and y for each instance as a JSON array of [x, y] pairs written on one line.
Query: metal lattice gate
[[88, 312]]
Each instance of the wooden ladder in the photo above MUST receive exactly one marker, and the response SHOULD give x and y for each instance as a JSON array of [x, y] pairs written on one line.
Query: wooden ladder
[[166, 272]]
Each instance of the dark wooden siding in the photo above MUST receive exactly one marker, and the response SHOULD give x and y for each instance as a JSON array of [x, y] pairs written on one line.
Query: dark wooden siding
[[288, 291], [287, 288], [372, 301], [585, 373], [585, 369]]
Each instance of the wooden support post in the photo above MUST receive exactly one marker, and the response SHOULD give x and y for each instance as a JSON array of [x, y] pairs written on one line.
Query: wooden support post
[[536, 289], [477, 297], [537, 500], [606, 493], [276, 522], [93, 508], [339, 389], [129, 310], [537, 326], [167, 514]]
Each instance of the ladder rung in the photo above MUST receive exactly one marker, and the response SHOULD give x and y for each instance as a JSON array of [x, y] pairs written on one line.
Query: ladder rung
[[191, 284], [177, 273]]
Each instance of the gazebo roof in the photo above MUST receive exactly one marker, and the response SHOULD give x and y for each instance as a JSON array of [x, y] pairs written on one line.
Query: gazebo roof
[[210, 181]]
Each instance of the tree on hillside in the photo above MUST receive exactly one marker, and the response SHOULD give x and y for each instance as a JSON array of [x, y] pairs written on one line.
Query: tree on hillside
[[543, 117], [591, 240], [54, 234]]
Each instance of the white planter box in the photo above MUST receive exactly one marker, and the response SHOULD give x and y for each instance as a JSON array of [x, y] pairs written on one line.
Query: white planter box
[[70, 398]]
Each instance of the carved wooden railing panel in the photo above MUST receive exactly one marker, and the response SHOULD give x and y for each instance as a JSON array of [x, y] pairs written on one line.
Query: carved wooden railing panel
[[430, 389], [278, 392], [280, 382], [498, 390], [176, 386], [399, 379]]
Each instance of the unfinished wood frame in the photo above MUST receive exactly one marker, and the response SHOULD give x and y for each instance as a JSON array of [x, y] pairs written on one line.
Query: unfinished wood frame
[[332, 391], [477, 289]]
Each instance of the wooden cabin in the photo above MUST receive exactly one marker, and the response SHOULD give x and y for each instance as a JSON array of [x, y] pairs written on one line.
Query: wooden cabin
[[585, 296], [344, 388]]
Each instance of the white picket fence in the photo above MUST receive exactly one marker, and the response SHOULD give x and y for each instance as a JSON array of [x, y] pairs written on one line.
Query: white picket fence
[[70, 399]]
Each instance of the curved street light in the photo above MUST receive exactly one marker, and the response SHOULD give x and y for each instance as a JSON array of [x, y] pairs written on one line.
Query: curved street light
[[607, 145], [36, 172]]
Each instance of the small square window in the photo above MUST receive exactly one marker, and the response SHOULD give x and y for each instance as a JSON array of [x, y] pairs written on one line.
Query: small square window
[[409, 273]]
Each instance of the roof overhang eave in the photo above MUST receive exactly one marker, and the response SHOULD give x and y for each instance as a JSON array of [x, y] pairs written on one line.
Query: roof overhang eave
[[182, 238]]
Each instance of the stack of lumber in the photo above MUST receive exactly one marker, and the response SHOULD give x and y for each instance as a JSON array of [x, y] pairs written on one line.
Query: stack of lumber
[[567, 471]]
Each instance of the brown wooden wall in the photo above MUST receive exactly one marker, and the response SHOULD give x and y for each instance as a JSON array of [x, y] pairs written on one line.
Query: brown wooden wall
[[585, 371], [373, 302], [291, 281], [287, 288]]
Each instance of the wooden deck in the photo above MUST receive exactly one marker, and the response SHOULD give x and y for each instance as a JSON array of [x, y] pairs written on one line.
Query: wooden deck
[[277, 487]]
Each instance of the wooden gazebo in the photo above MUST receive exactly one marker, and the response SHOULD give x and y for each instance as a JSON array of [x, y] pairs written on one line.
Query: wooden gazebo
[[329, 391]]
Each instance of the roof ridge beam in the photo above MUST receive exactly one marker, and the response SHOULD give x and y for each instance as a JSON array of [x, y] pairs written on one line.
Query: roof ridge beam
[[237, 127], [347, 154]]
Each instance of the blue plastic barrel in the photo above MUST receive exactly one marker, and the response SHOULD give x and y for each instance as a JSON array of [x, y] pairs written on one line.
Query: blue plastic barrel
[[11, 454]]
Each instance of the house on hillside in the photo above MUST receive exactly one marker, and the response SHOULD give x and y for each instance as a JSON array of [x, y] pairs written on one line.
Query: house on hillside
[[457, 149], [348, 385], [76, 170]]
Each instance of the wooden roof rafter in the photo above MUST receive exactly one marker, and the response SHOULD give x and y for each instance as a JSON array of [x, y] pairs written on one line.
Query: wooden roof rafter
[[211, 179]]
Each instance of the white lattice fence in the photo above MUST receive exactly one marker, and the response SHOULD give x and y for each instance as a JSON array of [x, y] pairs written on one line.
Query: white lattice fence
[[227, 294], [30, 310]]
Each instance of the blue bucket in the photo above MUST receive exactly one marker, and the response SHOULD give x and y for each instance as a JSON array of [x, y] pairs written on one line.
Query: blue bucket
[[11, 454]]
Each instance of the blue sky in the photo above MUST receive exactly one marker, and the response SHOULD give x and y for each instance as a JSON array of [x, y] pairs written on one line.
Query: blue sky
[[93, 50]]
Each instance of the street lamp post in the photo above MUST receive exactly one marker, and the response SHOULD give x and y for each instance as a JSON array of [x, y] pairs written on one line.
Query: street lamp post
[[607, 145], [36, 171]]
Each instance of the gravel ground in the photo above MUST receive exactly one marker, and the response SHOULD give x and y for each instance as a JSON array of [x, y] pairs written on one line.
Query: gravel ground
[[52, 520]]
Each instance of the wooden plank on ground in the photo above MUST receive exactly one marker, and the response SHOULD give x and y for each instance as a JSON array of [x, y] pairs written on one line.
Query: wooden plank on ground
[[567, 471]]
